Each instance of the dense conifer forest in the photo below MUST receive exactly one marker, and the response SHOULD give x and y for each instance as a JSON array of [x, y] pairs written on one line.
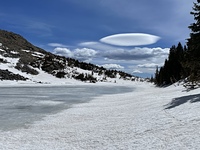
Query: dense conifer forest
[[183, 61]]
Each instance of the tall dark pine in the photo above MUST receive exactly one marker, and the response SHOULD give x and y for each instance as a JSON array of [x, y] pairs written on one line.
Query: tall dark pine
[[172, 71], [193, 52]]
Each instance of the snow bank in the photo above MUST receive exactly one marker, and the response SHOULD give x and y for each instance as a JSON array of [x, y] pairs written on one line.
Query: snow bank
[[137, 120]]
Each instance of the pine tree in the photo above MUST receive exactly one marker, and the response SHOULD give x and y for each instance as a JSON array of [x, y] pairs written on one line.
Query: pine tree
[[193, 52], [183, 62], [172, 70], [157, 76]]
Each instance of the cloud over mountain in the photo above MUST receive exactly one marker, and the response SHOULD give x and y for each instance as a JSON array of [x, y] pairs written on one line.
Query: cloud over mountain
[[83, 54], [112, 66]]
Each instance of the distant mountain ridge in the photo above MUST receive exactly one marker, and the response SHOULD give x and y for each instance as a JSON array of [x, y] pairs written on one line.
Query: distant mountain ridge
[[21, 60]]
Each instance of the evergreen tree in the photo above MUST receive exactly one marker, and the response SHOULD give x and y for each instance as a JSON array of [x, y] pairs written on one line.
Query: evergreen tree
[[156, 76], [193, 52], [183, 62], [172, 70]]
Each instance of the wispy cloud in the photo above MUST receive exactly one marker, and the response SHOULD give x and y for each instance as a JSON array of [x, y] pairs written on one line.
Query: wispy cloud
[[24, 23], [37, 25], [149, 65], [56, 45], [42, 29], [97, 45]]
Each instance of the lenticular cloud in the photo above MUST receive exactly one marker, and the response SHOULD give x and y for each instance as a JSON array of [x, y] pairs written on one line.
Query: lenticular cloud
[[130, 39]]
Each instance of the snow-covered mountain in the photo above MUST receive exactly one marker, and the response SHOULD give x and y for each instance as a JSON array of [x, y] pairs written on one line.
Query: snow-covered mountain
[[20, 60]]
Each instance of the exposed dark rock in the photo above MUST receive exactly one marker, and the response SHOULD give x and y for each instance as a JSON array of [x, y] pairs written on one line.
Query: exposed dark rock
[[60, 74], [7, 75], [3, 61], [27, 69], [13, 41]]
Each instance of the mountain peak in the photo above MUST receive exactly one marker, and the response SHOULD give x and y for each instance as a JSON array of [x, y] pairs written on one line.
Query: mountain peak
[[14, 41]]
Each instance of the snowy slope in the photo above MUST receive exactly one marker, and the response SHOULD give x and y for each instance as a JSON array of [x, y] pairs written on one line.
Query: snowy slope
[[10, 61], [133, 121], [42, 77]]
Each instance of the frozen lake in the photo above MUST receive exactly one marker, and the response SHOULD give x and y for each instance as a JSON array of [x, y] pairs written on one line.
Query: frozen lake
[[21, 106]]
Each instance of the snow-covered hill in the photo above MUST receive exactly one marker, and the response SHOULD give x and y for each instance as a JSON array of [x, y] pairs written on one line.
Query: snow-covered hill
[[22, 61]]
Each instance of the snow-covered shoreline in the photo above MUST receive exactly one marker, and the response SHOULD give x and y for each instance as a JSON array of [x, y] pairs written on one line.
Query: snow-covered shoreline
[[135, 120]]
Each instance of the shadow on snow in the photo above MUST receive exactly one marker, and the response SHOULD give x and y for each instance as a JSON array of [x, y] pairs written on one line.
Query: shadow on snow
[[181, 100]]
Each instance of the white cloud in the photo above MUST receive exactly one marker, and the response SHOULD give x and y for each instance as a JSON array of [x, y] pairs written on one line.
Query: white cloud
[[56, 45], [149, 65], [112, 66], [160, 51], [149, 16], [84, 54], [138, 60], [137, 53], [137, 71], [130, 39], [63, 52]]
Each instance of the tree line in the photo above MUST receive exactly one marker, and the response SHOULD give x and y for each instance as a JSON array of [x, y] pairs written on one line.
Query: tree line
[[183, 61]]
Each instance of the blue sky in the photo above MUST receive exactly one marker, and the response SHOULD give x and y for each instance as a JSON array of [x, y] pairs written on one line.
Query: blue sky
[[103, 32]]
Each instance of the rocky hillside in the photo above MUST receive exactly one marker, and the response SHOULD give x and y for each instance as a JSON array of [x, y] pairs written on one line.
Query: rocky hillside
[[20, 60]]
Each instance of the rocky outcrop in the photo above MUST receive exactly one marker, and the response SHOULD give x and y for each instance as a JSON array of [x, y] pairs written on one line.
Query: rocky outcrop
[[7, 75]]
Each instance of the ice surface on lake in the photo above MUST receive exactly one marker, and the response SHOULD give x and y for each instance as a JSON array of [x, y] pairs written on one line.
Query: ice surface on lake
[[136, 120], [21, 106]]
